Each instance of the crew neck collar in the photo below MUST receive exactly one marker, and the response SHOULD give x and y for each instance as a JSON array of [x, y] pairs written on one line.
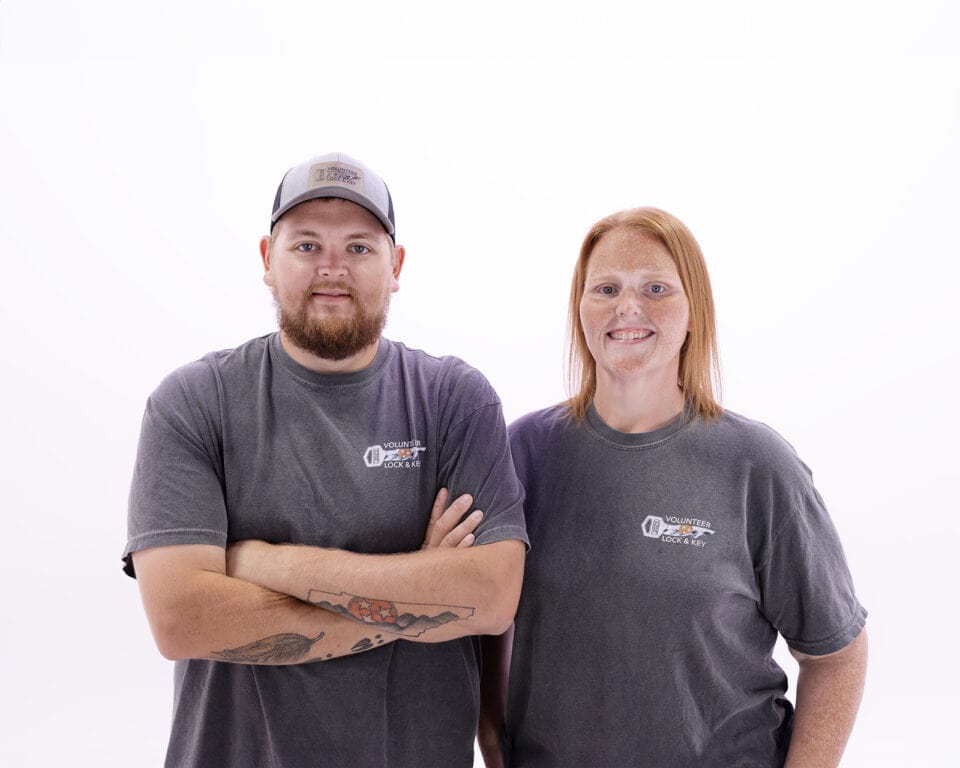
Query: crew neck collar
[[316, 379], [608, 434]]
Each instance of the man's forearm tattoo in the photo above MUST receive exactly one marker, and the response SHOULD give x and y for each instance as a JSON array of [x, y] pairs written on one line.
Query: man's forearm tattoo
[[366, 644], [410, 619], [286, 648]]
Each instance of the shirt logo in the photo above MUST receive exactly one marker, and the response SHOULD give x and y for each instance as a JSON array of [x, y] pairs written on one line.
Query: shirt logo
[[405, 454], [678, 530]]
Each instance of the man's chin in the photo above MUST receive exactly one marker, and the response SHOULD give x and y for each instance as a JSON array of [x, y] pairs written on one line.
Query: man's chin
[[327, 349], [333, 340]]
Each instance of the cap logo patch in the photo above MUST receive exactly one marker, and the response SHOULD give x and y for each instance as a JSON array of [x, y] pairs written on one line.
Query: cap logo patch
[[336, 174]]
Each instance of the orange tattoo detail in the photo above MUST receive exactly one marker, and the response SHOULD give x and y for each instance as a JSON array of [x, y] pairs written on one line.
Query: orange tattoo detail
[[372, 611]]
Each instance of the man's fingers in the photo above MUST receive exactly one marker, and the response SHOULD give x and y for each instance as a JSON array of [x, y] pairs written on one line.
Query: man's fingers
[[445, 528], [438, 505], [455, 511], [462, 534]]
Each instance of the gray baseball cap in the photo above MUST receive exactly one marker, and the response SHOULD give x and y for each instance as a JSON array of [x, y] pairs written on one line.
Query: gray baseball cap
[[335, 175]]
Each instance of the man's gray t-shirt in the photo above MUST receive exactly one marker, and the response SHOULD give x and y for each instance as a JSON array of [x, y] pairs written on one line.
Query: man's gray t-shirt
[[662, 567], [246, 443]]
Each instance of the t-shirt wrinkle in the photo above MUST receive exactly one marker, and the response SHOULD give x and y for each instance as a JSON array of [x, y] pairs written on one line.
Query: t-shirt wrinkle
[[789, 518], [473, 413], [177, 424], [200, 424]]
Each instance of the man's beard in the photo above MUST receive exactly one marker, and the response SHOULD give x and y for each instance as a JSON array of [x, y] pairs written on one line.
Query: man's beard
[[332, 338]]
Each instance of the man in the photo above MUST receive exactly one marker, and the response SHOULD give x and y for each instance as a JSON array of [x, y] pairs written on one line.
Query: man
[[331, 438]]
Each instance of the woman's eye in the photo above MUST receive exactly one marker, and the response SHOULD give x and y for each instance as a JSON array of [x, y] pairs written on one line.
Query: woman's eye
[[606, 290], [658, 290]]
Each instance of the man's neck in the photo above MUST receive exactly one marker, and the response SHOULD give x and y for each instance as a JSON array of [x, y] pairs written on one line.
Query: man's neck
[[308, 360]]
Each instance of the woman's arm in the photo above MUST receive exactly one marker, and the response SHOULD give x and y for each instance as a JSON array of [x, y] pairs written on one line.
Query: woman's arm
[[829, 689], [495, 650]]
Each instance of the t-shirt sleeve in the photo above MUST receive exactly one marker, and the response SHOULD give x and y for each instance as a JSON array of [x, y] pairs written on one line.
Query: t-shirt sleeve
[[807, 592], [176, 495], [475, 458]]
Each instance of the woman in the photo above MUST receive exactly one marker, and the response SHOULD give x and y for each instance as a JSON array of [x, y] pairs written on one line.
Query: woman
[[671, 542]]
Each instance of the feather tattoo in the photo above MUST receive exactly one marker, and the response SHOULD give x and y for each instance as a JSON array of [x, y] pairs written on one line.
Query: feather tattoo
[[276, 649]]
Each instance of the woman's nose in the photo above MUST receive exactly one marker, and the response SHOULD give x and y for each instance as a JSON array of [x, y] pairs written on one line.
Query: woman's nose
[[628, 303]]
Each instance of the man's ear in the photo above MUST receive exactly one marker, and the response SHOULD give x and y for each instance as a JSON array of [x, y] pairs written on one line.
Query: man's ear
[[399, 253], [265, 243]]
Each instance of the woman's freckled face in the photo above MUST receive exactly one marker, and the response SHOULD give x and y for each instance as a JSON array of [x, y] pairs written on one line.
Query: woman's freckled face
[[634, 311]]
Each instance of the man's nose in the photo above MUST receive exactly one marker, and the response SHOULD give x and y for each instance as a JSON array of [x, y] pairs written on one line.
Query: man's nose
[[331, 264]]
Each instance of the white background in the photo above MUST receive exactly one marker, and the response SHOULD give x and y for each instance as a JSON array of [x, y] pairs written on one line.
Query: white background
[[811, 146]]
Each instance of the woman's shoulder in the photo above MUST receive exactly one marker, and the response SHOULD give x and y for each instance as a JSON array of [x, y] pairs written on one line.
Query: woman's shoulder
[[749, 440], [746, 428]]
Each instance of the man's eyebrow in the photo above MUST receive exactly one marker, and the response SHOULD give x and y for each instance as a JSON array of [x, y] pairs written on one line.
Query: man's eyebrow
[[362, 234], [303, 232]]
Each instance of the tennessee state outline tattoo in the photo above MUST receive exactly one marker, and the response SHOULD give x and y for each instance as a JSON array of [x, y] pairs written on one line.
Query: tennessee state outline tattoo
[[410, 619]]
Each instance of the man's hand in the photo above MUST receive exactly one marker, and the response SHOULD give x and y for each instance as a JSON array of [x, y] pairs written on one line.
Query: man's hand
[[262, 603], [445, 528], [430, 591]]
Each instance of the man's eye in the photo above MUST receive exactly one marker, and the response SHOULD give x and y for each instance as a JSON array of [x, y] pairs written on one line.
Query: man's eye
[[306, 247], [359, 249]]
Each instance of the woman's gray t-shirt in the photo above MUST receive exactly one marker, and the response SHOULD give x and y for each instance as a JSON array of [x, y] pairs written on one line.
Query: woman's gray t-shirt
[[662, 567]]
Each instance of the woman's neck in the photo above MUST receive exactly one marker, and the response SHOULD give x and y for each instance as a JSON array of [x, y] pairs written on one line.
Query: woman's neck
[[633, 406]]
